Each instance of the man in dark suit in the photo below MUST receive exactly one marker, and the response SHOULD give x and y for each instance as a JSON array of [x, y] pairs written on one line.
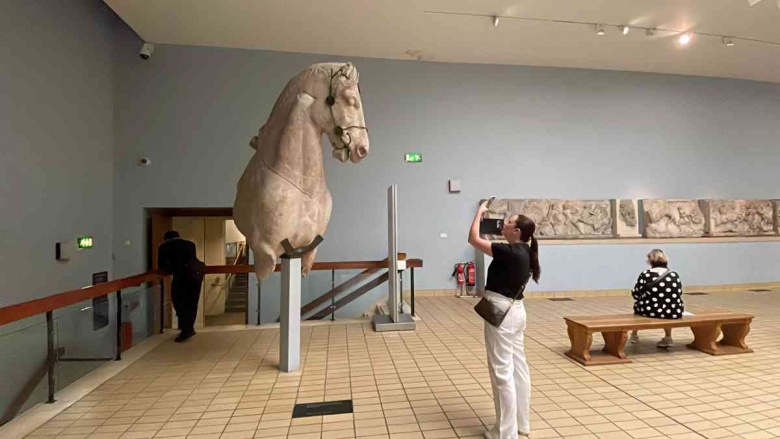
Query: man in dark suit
[[178, 257]]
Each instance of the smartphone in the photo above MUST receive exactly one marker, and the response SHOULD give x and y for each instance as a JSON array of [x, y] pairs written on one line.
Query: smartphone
[[491, 226]]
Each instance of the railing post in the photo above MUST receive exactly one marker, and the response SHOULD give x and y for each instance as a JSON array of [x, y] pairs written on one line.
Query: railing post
[[412, 291], [162, 305], [259, 300], [118, 326], [333, 296], [401, 291], [50, 359]]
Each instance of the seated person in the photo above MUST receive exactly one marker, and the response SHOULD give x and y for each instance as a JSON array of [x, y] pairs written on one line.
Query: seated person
[[658, 294]]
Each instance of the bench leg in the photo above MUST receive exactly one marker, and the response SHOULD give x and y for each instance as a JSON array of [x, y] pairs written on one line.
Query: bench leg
[[615, 343], [580, 344], [733, 341], [705, 337]]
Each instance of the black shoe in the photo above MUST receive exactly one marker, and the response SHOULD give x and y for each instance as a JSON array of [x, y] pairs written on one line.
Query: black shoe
[[184, 336]]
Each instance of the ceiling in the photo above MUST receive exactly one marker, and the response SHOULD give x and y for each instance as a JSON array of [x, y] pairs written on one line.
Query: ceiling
[[406, 29]]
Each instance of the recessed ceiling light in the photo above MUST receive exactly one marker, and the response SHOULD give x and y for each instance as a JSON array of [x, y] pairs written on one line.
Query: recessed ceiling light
[[495, 21], [624, 29], [600, 30], [684, 39], [728, 41]]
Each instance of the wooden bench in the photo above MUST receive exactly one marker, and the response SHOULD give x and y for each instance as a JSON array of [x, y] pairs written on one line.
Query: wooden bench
[[706, 326]]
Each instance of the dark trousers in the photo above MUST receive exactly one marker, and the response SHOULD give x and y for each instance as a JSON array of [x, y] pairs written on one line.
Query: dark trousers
[[185, 294]]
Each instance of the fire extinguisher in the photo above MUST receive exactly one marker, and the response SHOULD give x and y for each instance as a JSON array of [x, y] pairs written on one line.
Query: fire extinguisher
[[459, 274], [471, 274]]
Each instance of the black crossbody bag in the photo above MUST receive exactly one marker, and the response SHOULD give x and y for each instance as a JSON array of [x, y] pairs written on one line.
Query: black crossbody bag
[[493, 314]]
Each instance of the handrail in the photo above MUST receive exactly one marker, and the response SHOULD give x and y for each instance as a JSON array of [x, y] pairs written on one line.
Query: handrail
[[23, 310], [349, 265], [19, 311]]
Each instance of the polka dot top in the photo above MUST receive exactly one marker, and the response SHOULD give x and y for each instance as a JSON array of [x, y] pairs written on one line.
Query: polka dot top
[[658, 298]]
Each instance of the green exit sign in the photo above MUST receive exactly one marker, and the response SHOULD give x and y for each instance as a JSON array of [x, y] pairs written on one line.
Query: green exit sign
[[413, 157], [84, 242]]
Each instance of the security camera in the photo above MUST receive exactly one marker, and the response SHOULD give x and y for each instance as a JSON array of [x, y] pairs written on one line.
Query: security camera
[[146, 51], [145, 161]]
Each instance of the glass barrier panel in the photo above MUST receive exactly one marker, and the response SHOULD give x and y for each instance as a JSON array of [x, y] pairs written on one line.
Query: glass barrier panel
[[23, 366], [85, 335]]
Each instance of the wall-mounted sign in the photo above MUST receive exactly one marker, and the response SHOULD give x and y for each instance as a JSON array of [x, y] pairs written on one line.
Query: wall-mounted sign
[[413, 157], [84, 242]]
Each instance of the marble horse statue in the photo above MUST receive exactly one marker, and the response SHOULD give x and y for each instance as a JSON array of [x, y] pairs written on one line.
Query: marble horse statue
[[282, 194]]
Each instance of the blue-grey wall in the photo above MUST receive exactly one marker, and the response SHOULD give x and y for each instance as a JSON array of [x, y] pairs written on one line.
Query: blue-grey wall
[[57, 136], [510, 131]]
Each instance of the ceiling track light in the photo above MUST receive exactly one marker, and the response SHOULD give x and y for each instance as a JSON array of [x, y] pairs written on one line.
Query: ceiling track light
[[495, 21], [624, 29], [728, 42], [600, 30], [684, 39]]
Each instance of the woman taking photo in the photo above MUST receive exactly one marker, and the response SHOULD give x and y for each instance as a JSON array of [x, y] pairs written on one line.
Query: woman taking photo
[[513, 264]]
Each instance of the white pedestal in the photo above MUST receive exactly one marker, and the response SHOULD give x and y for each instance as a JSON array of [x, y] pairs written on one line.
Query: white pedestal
[[290, 328]]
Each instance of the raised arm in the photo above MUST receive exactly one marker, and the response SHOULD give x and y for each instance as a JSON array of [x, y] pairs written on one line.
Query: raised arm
[[475, 240]]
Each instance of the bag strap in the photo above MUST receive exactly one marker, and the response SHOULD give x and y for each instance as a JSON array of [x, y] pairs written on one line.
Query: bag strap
[[519, 291]]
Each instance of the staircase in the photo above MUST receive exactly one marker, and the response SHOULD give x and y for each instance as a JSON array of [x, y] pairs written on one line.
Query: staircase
[[239, 286], [236, 300]]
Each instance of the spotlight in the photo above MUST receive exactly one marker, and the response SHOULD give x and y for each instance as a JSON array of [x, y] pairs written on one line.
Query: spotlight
[[650, 32], [684, 39], [495, 21], [624, 29], [600, 30], [727, 41]]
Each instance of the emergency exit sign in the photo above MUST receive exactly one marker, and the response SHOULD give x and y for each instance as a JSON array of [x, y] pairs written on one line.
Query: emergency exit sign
[[84, 242], [413, 157]]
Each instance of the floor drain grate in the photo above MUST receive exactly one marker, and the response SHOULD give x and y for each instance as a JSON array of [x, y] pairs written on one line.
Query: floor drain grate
[[322, 408], [561, 299], [698, 293]]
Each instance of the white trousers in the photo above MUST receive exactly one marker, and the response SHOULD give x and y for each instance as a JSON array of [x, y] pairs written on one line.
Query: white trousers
[[509, 373]]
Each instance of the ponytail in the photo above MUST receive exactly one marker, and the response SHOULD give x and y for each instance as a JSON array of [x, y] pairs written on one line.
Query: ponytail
[[528, 228], [536, 270]]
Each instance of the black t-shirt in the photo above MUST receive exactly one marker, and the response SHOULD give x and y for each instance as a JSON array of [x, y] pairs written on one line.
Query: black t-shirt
[[510, 269]]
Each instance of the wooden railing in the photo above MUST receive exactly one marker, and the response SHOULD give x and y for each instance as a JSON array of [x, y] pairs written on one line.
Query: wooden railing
[[12, 313]]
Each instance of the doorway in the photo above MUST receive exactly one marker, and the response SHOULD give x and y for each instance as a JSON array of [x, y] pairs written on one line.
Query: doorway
[[223, 297]]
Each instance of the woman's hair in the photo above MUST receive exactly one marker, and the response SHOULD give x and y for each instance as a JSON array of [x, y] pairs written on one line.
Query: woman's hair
[[528, 228], [657, 258]]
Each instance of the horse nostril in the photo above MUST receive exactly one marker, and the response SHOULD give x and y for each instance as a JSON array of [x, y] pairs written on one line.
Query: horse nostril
[[363, 151]]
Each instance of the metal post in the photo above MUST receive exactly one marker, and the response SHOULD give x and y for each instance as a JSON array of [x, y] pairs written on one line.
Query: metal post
[[332, 297], [50, 359], [290, 318], [392, 250], [118, 326], [259, 301], [162, 305], [412, 291], [401, 292]]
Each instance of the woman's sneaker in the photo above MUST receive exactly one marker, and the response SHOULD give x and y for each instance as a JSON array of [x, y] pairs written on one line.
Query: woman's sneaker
[[666, 342], [634, 339]]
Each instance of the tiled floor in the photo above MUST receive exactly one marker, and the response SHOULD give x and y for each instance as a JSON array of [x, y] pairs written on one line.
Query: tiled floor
[[433, 383]]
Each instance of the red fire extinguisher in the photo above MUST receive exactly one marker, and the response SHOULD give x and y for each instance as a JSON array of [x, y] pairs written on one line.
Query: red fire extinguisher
[[460, 276], [471, 274]]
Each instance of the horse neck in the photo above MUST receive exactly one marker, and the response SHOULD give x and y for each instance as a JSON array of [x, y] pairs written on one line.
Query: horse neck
[[294, 151]]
